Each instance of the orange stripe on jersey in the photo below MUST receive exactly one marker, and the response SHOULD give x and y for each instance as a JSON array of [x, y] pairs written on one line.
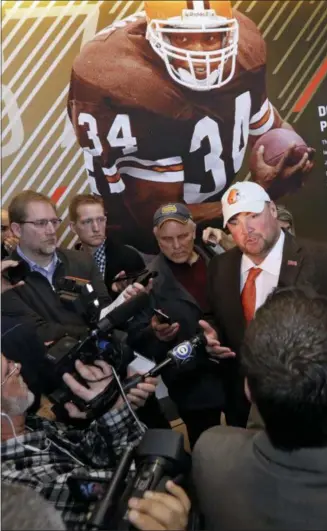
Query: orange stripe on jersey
[[262, 120], [113, 178], [158, 169]]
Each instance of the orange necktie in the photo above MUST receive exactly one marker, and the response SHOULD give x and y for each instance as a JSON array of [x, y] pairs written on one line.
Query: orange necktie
[[248, 295]]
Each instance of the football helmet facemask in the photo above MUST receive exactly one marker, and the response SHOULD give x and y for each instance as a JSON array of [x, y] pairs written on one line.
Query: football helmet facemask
[[166, 18]]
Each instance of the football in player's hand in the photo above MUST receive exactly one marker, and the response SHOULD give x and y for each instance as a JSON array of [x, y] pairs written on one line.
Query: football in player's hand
[[280, 166], [276, 142]]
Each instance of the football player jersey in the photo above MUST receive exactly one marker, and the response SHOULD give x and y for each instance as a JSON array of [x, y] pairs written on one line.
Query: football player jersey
[[147, 140]]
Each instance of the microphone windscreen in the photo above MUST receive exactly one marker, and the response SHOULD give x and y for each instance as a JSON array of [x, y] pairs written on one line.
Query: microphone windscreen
[[125, 311]]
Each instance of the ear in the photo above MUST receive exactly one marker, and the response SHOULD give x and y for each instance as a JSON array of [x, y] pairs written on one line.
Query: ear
[[155, 231], [72, 226], [247, 390], [16, 229], [273, 210]]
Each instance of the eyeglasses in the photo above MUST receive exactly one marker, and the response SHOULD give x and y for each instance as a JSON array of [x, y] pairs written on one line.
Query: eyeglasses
[[14, 369], [89, 221], [43, 223]]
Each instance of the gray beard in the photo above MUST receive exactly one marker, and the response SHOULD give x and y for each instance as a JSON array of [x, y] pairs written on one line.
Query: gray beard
[[18, 405]]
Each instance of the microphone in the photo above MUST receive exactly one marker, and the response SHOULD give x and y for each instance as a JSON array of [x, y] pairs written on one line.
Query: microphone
[[181, 355], [122, 313]]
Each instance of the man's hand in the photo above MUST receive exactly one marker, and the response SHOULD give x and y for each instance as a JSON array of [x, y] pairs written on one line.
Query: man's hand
[[213, 345], [135, 289], [5, 284], [164, 331], [215, 236], [158, 511], [119, 285], [10, 243], [138, 395], [98, 376], [264, 174]]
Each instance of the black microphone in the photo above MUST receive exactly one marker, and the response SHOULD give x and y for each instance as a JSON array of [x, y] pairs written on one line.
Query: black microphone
[[120, 315], [183, 354]]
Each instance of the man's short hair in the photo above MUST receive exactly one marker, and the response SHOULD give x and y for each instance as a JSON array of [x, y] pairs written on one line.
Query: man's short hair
[[285, 215], [83, 199], [24, 509], [284, 356], [18, 205]]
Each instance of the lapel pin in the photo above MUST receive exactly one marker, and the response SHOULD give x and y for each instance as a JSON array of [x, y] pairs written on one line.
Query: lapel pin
[[291, 263]]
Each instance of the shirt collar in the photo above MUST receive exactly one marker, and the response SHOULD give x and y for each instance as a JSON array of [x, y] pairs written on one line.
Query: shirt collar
[[271, 263], [34, 266], [100, 249]]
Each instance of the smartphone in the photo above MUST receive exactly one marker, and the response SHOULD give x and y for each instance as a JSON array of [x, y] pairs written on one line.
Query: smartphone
[[17, 273], [162, 317], [144, 280], [131, 276]]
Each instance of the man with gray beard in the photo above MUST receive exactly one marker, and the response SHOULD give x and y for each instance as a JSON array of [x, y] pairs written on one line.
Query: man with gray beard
[[47, 455]]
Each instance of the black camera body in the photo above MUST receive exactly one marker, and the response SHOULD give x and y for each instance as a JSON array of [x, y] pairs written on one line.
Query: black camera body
[[159, 457], [61, 358], [78, 295]]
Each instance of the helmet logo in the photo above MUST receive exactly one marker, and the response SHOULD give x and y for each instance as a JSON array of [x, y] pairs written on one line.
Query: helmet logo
[[233, 197]]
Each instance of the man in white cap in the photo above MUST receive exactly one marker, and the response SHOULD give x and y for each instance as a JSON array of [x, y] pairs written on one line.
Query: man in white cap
[[240, 280]]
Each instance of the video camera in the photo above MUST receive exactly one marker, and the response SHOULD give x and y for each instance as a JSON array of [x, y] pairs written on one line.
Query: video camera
[[101, 343], [160, 456]]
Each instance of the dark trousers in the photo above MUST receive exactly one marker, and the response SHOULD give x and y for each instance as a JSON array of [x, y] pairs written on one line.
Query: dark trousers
[[237, 406], [199, 421], [151, 415]]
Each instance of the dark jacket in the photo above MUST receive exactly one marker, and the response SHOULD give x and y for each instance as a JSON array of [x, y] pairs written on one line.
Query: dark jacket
[[119, 258], [304, 264], [191, 389], [243, 482], [39, 304]]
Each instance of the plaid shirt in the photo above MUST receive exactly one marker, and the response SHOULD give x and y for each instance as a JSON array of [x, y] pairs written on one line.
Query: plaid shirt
[[97, 447], [100, 257]]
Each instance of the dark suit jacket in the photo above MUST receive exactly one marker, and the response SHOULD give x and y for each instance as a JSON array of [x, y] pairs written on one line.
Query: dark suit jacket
[[243, 482], [303, 264]]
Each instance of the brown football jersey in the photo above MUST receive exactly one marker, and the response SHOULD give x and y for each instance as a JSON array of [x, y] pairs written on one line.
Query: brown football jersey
[[147, 140]]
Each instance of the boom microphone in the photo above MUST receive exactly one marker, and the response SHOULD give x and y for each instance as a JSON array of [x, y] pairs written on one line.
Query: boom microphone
[[122, 313]]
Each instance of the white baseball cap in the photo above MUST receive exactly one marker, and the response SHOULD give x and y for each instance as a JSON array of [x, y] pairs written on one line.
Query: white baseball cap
[[246, 196]]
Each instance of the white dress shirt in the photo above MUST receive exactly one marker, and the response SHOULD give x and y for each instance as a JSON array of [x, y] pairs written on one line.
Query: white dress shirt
[[268, 278]]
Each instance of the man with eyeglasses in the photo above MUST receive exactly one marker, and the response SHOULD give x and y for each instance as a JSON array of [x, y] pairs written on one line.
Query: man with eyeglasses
[[88, 221], [34, 220]]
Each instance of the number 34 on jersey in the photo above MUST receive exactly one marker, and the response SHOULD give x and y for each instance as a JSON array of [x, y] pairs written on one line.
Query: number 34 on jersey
[[119, 153]]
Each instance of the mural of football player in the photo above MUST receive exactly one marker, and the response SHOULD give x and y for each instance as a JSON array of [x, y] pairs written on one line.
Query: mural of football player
[[164, 105]]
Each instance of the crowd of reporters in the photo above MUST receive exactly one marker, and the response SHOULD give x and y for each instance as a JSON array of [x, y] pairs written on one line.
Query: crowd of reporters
[[272, 478]]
